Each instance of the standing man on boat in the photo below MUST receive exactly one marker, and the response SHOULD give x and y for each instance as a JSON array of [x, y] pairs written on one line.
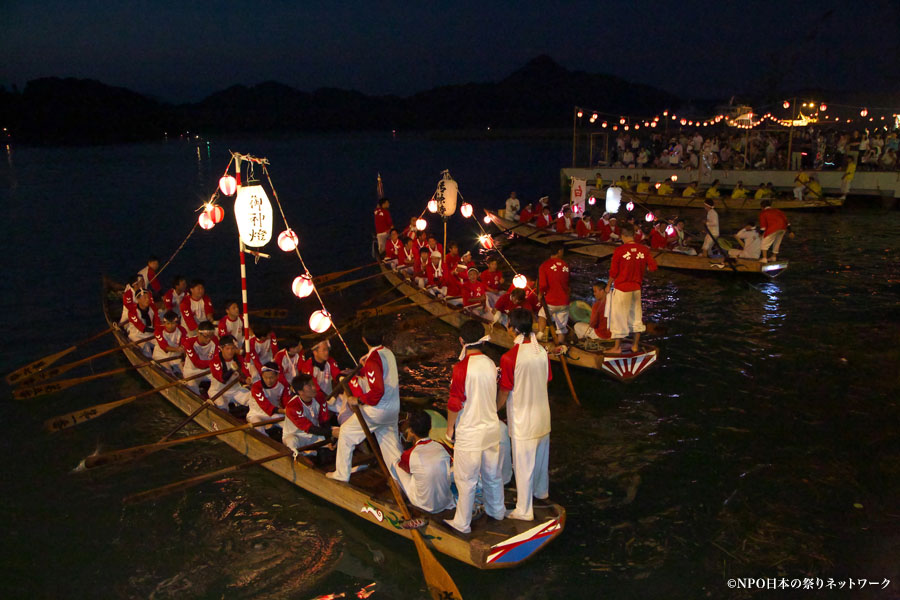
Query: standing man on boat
[[553, 285], [383, 223], [512, 207], [196, 307], [712, 226], [524, 373], [623, 305], [377, 391], [473, 423], [774, 224]]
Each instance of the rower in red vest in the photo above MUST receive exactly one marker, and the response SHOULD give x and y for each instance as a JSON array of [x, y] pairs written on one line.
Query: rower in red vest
[[263, 346], [584, 227], [614, 230], [435, 277], [564, 221], [168, 336], [526, 215], [198, 350], [553, 284], [196, 307], [383, 223], [543, 221], [602, 228], [149, 275], [421, 270], [289, 357], [597, 328], [172, 298], [270, 395], [411, 231], [451, 260], [658, 239], [223, 367], [306, 416], [232, 324], [409, 256], [142, 321], [422, 240], [531, 298], [325, 371], [774, 224], [433, 245], [474, 292], [393, 248]]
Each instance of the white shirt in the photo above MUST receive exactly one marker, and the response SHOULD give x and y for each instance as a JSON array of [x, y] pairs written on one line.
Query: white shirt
[[712, 222], [528, 406], [428, 481], [751, 242], [477, 425], [512, 208]]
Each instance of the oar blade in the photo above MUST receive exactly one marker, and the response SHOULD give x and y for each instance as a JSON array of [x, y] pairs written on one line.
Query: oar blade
[[120, 456], [20, 375], [26, 393], [79, 416], [440, 584]]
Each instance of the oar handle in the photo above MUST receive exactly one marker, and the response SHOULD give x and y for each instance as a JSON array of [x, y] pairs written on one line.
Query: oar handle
[[562, 357], [53, 372], [202, 406], [32, 367]]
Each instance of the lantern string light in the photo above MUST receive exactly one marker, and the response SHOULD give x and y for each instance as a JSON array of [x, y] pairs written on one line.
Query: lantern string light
[[303, 263]]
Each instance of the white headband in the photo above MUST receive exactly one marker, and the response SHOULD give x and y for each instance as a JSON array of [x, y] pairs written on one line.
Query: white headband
[[462, 353]]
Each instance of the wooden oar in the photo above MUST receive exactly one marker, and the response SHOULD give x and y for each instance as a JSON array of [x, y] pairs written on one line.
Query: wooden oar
[[23, 393], [92, 412], [269, 313], [332, 276], [336, 287], [386, 309], [561, 355], [383, 293], [42, 363], [439, 582], [136, 452], [200, 408], [54, 371]]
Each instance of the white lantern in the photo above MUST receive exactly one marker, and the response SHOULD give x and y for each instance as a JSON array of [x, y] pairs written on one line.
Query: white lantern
[[228, 185], [432, 206], [674, 178], [486, 241], [205, 220], [487, 219], [592, 201], [629, 207], [421, 224], [520, 281], [320, 321], [288, 240], [302, 286], [669, 230], [649, 217], [613, 199], [446, 193], [253, 213], [465, 210]]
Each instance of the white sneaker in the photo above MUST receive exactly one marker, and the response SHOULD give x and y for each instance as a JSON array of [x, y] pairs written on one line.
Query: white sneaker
[[764, 260], [450, 523], [512, 514], [333, 475]]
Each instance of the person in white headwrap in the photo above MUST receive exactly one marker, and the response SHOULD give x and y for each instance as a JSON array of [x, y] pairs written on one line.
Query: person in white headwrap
[[524, 373]]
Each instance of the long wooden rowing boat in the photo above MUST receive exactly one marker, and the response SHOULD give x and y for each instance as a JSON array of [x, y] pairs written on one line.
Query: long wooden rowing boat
[[727, 203], [664, 258], [491, 544], [623, 367]]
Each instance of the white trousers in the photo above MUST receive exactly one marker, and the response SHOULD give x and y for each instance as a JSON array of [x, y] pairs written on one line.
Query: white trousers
[[532, 466], [386, 434], [560, 316], [773, 241], [468, 465], [382, 241], [190, 370], [147, 347], [506, 468], [623, 313], [584, 330], [237, 394], [299, 439]]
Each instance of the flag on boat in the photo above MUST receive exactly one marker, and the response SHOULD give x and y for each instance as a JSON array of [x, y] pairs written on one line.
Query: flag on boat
[[579, 189], [380, 188]]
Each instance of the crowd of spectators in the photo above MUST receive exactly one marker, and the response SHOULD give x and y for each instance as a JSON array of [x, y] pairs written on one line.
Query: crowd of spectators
[[810, 149]]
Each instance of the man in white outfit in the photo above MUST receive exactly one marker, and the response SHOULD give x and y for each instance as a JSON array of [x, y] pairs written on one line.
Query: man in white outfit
[[524, 373], [377, 391], [472, 418], [712, 225], [512, 207], [424, 471]]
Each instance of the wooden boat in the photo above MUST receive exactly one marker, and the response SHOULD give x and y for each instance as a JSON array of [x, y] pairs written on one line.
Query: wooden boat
[[668, 259], [491, 544], [623, 367], [727, 203]]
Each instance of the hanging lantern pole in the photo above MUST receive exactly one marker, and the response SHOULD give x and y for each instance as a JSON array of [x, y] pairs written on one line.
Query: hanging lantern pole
[[237, 169]]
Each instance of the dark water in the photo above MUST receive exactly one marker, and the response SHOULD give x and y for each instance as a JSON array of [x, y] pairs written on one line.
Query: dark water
[[765, 445]]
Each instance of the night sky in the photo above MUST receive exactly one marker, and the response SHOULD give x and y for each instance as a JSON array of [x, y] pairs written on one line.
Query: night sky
[[183, 51]]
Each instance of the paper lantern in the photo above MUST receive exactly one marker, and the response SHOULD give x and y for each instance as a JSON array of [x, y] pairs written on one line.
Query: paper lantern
[[622, 121], [580, 114], [253, 213], [684, 121], [823, 107], [613, 199], [432, 206], [592, 201], [288, 240], [302, 286], [205, 220], [863, 112], [669, 230], [629, 207], [465, 210], [674, 178], [421, 224], [649, 217], [486, 241], [657, 185], [786, 104], [228, 185], [487, 219], [615, 127], [520, 281], [446, 194], [653, 124], [320, 321], [215, 212], [665, 113]]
